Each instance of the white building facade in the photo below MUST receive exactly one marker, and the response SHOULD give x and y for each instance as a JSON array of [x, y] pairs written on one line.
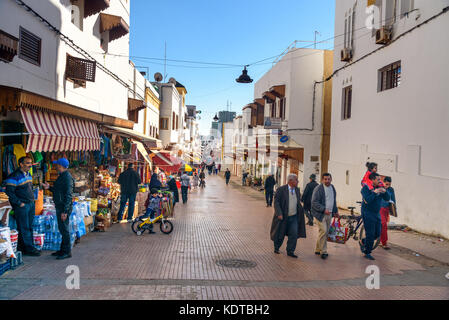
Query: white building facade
[[99, 28], [391, 107]]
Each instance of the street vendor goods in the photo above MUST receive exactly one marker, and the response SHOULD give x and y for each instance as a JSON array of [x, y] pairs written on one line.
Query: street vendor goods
[[337, 232]]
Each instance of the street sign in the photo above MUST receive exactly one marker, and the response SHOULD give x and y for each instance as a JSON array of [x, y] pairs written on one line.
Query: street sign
[[284, 139]]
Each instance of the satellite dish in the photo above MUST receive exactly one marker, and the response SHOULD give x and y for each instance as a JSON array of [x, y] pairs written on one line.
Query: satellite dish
[[172, 80], [158, 77]]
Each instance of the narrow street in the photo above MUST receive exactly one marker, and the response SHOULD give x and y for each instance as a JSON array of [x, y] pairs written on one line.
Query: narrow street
[[219, 223]]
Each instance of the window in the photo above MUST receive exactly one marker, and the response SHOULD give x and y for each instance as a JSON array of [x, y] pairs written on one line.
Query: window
[[173, 127], [273, 109], [347, 103], [30, 47], [390, 12], [390, 77], [347, 177], [282, 108], [163, 123], [349, 30], [177, 122], [77, 12]]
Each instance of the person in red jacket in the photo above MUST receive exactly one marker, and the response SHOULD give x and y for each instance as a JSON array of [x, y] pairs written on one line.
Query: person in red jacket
[[372, 168]]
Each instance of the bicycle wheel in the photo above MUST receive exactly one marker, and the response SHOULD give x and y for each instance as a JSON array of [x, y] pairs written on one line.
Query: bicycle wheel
[[362, 238], [166, 227], [136, 228]]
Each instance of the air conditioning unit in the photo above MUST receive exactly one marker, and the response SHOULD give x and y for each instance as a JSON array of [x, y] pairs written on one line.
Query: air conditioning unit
[[346, 54], [383, 35]]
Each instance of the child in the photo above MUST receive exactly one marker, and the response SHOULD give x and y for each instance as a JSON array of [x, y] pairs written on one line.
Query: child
[[385, 213], [153, 206]]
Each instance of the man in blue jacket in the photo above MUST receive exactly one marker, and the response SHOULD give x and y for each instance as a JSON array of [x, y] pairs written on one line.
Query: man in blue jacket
[[371, 204], [19, 188]]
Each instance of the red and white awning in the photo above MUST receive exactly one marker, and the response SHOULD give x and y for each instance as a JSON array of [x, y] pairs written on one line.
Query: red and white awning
[[54, 132]]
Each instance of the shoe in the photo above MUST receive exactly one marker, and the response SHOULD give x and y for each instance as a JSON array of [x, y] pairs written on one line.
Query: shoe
[[317, 253], [276, 251], [56, 254], [64, 256], [324, 256], [386, 247], [292, 255], [34, 253], [369, 257]]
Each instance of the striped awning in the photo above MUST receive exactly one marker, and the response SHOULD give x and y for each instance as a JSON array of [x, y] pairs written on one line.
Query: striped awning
[[54, 132]]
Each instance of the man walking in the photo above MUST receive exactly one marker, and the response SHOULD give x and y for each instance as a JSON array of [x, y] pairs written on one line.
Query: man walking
[[19, 188], [227, 176], [288, 217], [129, 182], [307, 198], [185, 184], [62, 196], [244, 176], [371, 204], [269, 190], [324, 206]]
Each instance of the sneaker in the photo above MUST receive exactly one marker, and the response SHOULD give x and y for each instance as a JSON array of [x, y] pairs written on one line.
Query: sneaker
[[369, 257], [292, 255], [324, 256], [317, 253]]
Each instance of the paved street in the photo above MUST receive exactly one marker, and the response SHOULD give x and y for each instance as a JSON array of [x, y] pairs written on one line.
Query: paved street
[[221, 223]]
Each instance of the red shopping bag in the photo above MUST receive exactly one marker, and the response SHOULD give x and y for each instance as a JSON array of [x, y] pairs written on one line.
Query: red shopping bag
[[337, 232]]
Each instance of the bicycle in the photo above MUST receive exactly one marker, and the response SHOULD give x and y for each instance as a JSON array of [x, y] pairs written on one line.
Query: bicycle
[[356, 229], [142, 224]]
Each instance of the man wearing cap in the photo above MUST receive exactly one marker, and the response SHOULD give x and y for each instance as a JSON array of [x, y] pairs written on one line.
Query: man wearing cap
[[307, 198], [62, 196]]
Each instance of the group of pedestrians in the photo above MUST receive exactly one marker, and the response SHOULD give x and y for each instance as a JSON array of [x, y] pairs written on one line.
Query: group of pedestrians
[[320, 204], [19, 188]]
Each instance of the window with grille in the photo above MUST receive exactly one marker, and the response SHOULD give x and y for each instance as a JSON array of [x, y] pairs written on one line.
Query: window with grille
[[80, 69], [390, 76], [347, 103], [30, 47]]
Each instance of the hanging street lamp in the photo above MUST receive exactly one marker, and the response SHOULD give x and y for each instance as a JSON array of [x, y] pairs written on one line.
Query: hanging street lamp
[[244, 78]]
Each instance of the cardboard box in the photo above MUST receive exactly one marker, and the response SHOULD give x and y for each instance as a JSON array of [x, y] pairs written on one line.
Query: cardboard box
[[87, 222]]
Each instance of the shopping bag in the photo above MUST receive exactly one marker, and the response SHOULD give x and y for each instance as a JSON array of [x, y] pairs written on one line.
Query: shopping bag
[[337, 232]]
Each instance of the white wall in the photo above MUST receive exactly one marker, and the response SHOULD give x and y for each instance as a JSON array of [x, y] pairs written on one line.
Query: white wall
[[105, 95], [169, 104], [403, 129], [298, 70]]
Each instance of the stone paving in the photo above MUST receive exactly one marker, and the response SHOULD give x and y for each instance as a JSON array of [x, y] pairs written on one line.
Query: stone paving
[[219, 222]]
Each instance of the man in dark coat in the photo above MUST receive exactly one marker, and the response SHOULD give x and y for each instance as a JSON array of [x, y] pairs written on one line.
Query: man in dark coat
[[269, 190], [19, 188], [173, 188], [288, 219], [227, 176], [307, 198], [62, 196], [372, 202], [324, 207], [129, 182]]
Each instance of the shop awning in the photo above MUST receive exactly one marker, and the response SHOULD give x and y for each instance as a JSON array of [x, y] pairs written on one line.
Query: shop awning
[[54, 132], [14, 98], [150, 142], [267, 95], [116, 26], [166, 162], [92, 7], [8, 46], [144, 153]]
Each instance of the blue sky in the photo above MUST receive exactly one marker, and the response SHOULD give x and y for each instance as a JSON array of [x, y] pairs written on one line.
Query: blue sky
[[227, 32]]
